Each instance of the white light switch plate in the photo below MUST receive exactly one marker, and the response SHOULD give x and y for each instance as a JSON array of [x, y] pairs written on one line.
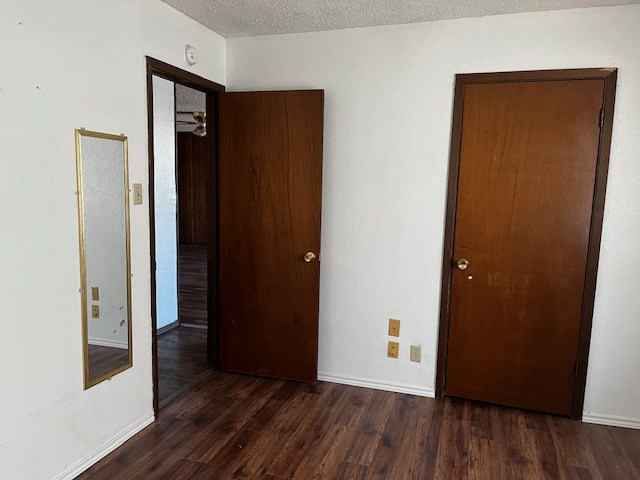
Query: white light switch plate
[[137, 194]]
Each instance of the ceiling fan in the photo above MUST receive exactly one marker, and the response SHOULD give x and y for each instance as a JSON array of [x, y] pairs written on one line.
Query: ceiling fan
[[199, 119]]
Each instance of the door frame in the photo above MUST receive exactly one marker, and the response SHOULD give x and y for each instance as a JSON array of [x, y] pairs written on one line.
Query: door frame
[[212, 91], [609, 76]]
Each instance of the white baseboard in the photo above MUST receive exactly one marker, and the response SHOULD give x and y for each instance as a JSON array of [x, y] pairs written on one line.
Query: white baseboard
[[193, 325], [611, 420], [168, 327], [107, 343], [596, 418], [80, 466], [368, 383]]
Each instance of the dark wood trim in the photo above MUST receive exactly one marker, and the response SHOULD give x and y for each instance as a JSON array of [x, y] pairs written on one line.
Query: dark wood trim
[[537, 75], [212, 90], [152, 239], [595, 235], [609, 76], [450, 223], [213, 263], [182, 77], [175, 176]]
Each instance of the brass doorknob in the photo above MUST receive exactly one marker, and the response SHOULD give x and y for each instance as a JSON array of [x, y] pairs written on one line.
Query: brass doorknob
[[309, 257], [462, 264]]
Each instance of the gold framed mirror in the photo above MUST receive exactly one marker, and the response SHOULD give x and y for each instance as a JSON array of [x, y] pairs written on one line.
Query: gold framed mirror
[[105, 265]]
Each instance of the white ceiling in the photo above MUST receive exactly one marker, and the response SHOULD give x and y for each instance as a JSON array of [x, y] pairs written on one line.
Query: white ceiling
[[246, 18]]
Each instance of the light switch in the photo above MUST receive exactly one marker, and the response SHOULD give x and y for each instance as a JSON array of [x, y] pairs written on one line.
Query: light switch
[[95, 311], [137, 194], [95, 294]]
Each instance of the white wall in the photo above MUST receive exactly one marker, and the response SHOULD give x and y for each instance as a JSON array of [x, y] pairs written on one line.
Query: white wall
[[165, 194], [389, 95], [67, 64], [77, 63]]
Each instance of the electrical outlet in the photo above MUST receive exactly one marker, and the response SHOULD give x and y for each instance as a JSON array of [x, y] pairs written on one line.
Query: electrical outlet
[[95, 311], [394, 327], [393, 348], [415, 354]]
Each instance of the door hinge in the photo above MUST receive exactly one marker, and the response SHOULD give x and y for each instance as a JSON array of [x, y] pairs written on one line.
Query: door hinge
[[601, 117], [575, 371]]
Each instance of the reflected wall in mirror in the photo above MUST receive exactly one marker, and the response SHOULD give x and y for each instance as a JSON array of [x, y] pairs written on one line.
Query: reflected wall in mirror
[[105, 268]]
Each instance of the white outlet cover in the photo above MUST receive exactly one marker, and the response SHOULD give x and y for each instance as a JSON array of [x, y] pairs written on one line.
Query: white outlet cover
[[415, 354]]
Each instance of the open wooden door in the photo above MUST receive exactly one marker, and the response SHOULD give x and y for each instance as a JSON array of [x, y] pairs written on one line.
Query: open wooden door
[[270, 176]]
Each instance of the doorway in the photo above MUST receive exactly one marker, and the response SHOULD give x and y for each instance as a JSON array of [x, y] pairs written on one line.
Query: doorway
[[527, 179], [182, 196], [263, 199]]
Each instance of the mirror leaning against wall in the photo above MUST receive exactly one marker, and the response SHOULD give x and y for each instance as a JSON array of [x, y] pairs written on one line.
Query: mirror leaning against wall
[[105, 267]]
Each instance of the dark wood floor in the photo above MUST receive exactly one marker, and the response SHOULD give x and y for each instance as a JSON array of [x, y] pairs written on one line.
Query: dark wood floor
[[192, 279], [103, 360], [182, 357], [240, 427]]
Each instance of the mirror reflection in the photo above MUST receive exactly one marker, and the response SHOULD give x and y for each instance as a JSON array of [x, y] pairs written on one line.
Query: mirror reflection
[[103, 217]]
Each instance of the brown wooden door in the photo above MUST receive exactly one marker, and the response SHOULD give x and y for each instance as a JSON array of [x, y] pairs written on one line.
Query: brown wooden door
[[525, 193], [270, 198]]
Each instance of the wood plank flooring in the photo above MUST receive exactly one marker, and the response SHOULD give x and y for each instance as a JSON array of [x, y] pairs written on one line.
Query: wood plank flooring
[[182, 357], [241, 427], [103, 360]]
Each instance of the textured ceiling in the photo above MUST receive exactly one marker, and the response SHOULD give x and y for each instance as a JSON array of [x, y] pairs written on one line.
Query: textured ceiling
[[245, 18], [188, 100]]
